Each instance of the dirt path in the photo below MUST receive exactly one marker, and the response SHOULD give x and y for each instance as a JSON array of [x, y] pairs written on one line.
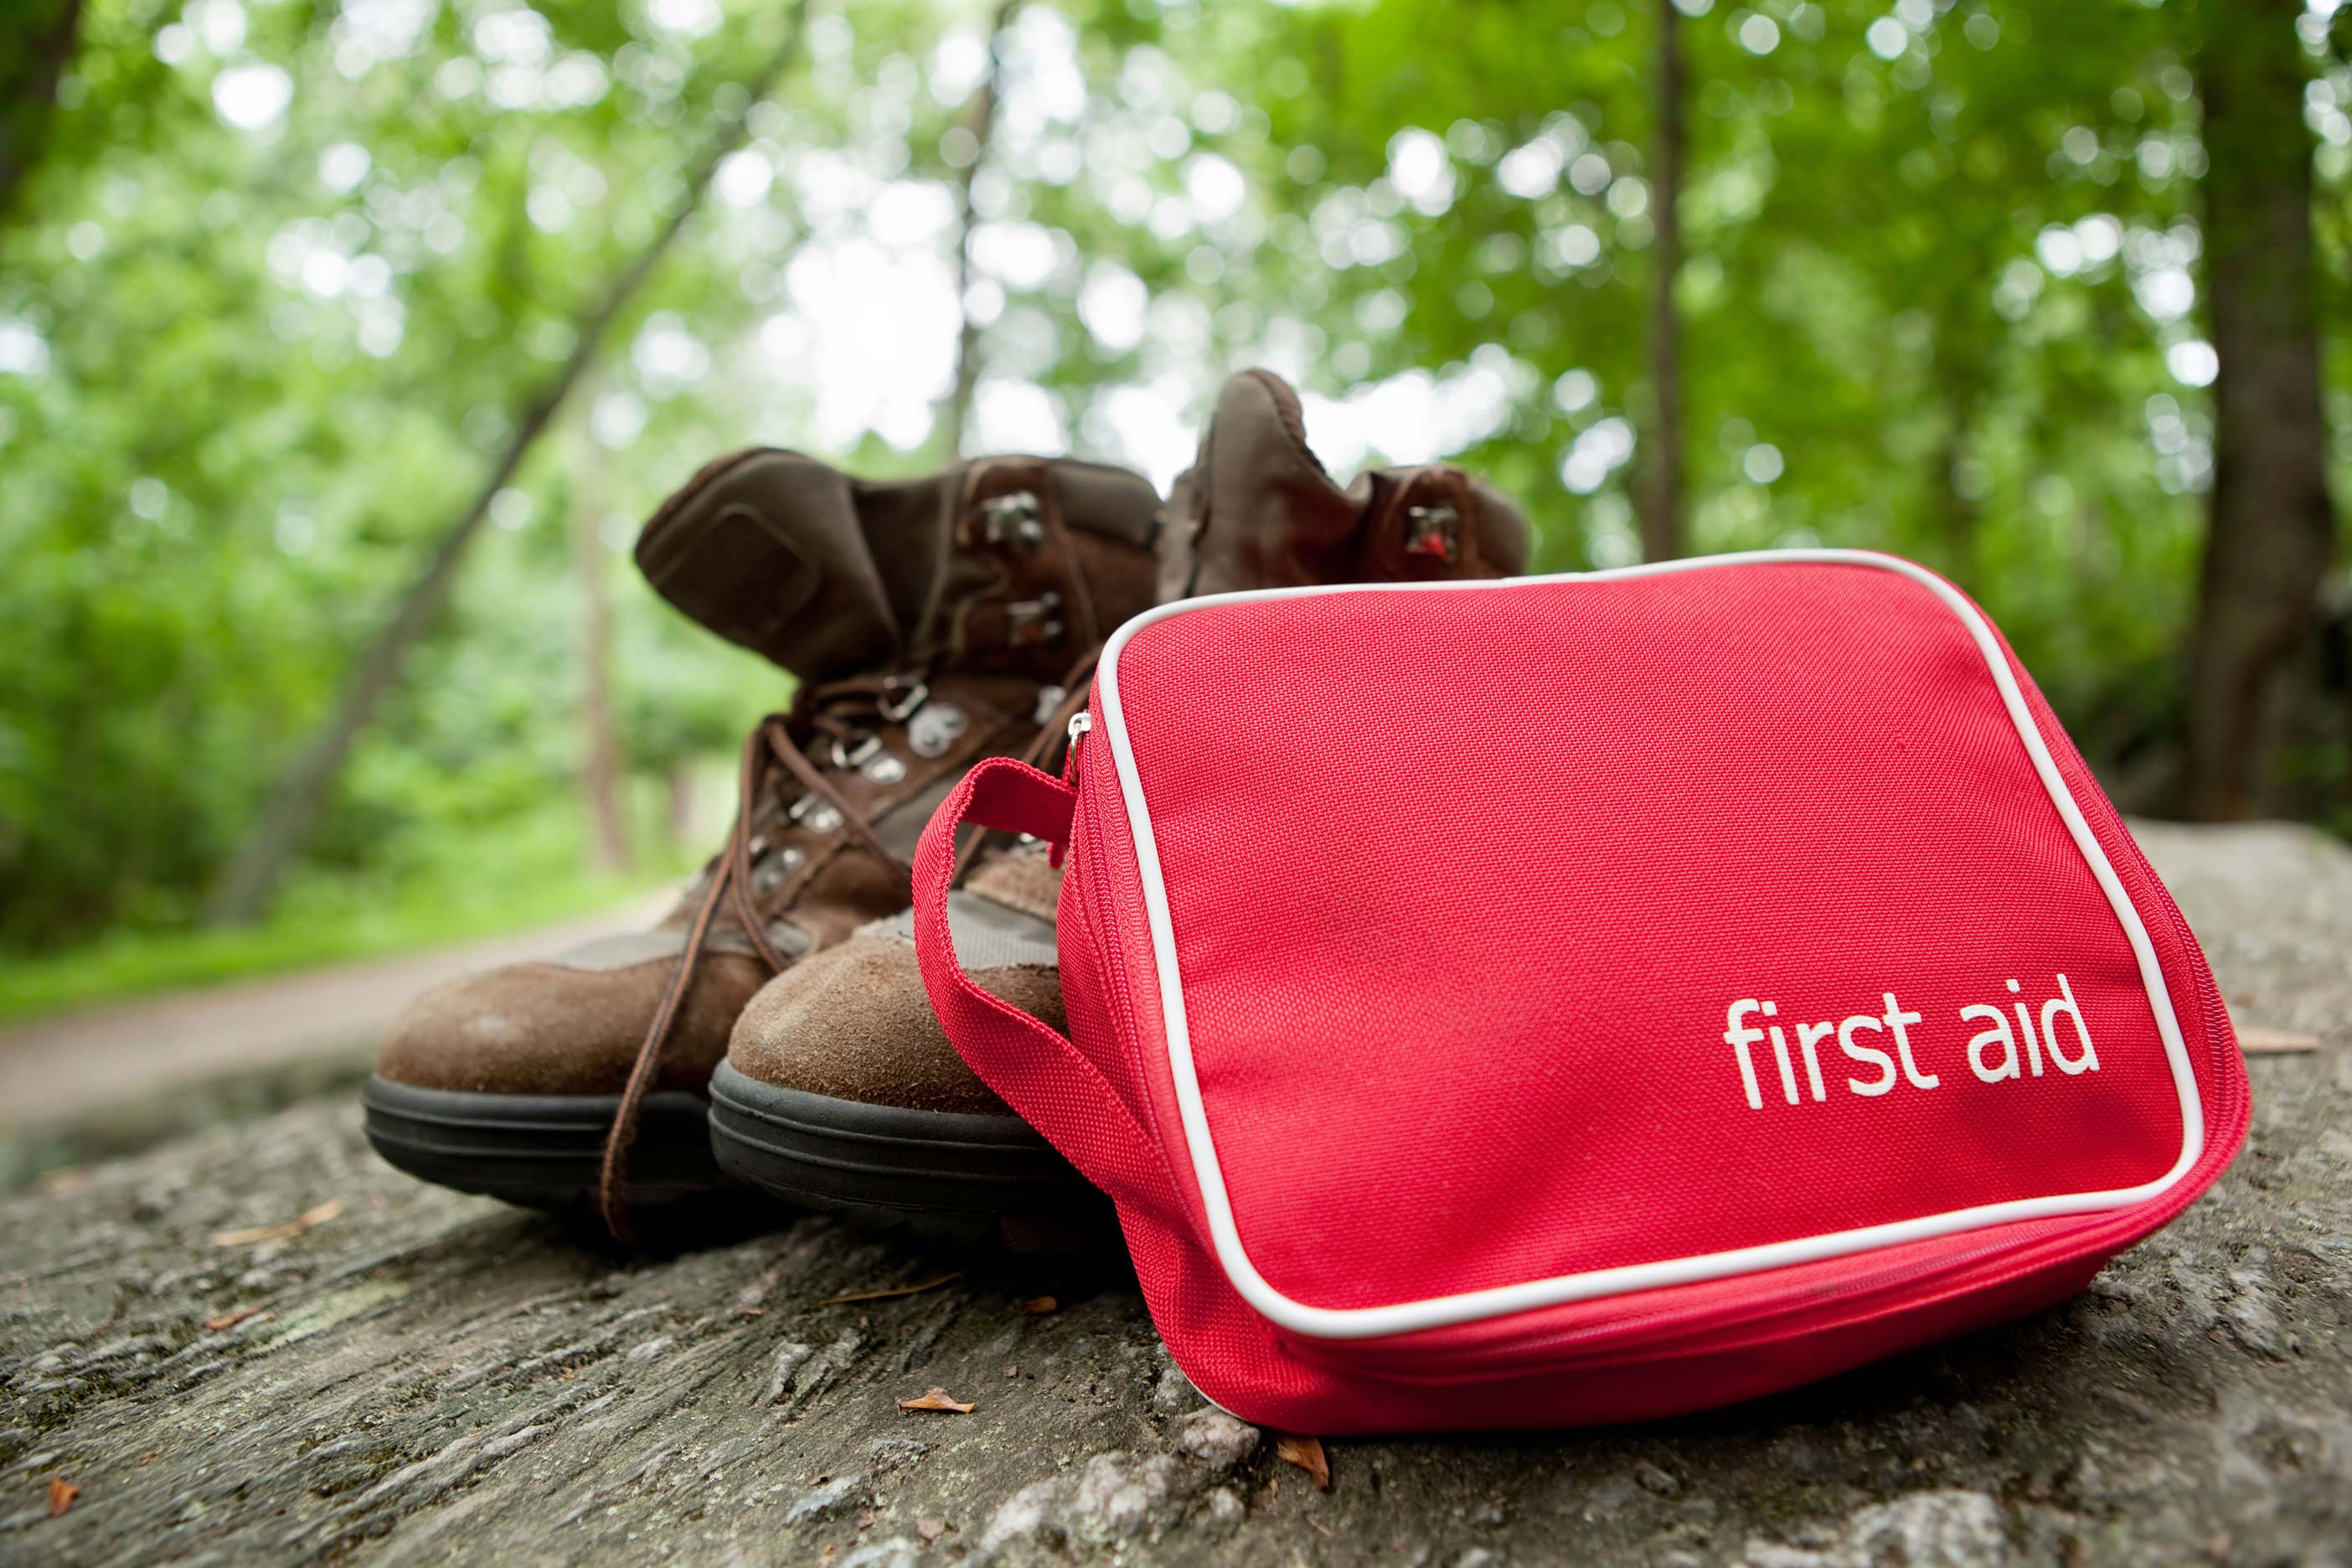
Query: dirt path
[[79, 1062]]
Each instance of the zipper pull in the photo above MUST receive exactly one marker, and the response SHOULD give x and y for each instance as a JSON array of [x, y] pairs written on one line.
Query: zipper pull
[[1081, 724]]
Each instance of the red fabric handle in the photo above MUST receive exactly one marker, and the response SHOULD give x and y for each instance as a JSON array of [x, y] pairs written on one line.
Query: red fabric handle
[[1035, 1067], [1016, 798]]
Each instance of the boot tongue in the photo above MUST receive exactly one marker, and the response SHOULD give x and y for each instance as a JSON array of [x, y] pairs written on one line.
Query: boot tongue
[[1258, 511], [764, 548], [909, 530]]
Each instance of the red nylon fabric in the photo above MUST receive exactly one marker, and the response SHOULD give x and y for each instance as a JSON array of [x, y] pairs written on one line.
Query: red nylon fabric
[[1462, 883], [1030, 1064]]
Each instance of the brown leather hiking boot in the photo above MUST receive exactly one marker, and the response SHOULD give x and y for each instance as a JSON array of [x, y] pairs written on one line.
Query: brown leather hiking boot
[[931, 623], [1256, 510], [839, 1089]]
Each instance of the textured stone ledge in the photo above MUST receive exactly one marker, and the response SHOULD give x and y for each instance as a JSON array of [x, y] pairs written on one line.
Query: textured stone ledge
[[423, 1377]]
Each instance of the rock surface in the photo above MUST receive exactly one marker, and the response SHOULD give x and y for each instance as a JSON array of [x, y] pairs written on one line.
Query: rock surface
[[416, 1376]]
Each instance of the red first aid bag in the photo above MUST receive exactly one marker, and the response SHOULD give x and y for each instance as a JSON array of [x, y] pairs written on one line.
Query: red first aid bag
[[1572, 999]]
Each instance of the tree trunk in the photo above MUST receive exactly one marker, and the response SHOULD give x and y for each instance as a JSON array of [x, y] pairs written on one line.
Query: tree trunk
[[2270, 530], [252, 878], [981, 122], [28, 92], [1661, 495], [600, 757]]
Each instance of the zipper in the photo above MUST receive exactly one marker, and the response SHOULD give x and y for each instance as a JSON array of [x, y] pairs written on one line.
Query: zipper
[[1094, 917], [1082, 724], [1652, 1330], [1095, 904], [1654, 1333], [1096, 914]]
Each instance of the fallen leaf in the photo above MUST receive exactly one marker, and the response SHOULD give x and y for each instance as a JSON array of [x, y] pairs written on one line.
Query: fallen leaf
[[865, 1519], [1327, 1533], [937, 1399], [231, 1320], [751, 1311], [931, 1529], [896, 1291], [295, 1226], [1038, 1305], [1013, 1372], [1308, 1453], [2260, 1042], [61, 1496]]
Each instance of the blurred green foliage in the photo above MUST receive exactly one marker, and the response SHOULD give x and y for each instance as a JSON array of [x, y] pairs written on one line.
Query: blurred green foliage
[[283, 272]]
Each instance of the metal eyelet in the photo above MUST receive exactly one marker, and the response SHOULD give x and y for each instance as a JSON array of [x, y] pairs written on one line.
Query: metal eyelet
[[846, 756], [901, 695], [1013, 518], [815, 814], [771, 873], [884, 768], [1032, 620], [1434, 531], [934, 728]]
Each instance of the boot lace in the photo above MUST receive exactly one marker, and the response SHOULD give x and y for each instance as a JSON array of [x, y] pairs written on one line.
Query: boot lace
[[829, 726], [829, 721]]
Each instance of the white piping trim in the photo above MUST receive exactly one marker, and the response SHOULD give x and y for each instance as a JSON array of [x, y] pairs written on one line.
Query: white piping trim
[[1366, 1323]]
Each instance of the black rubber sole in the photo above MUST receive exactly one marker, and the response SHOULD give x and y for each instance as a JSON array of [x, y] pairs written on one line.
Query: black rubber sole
[[956, 1175], [540, 1151]]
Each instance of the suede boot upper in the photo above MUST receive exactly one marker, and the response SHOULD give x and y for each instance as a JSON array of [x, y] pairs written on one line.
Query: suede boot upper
[[929, 621]]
